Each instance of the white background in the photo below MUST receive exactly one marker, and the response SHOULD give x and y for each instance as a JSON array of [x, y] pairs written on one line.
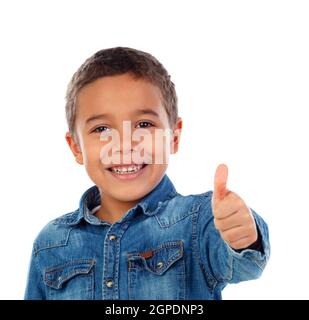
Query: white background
[[241, 70]]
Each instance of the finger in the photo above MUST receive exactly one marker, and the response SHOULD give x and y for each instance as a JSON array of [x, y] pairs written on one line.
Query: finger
[[235, 234], [237, 219], [220, 182], [227, 206], [243, 243]]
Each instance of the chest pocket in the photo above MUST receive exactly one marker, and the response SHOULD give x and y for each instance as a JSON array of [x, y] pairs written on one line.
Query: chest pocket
[[73, 280], [158, 273]]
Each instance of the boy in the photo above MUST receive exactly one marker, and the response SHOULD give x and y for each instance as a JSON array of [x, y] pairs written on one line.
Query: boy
[[133, 236]]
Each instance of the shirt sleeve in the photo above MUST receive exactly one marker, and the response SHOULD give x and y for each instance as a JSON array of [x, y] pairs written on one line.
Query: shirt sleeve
[[35, 289], [221, 261]]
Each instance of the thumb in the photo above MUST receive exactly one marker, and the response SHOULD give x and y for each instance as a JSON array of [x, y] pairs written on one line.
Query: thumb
[[220, 182]]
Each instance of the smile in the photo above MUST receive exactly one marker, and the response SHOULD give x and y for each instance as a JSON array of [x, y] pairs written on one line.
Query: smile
[[130, 170]]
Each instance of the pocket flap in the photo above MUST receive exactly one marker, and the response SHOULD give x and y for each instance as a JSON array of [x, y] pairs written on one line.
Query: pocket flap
[[158, 260], [56, 276]]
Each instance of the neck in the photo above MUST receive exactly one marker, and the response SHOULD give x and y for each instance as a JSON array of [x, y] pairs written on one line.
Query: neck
[[113, 210]]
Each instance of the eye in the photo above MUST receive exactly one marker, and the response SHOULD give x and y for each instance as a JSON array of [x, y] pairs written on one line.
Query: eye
[[100, 129], [144, 124]]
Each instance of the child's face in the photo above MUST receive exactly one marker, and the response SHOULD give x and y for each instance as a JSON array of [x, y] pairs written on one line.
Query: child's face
[[127, 168]]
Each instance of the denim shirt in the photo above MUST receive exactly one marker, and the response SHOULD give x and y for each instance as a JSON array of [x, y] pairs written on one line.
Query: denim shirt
[[166, 247]]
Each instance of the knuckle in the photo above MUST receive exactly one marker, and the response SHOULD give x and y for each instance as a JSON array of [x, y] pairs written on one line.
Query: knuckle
[[247, 219]]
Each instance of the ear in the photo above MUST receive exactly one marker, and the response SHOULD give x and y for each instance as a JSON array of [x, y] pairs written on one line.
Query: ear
[[176, 136], [75, 148]]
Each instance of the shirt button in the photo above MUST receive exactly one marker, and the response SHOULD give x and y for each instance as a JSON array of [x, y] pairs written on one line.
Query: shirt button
[[109, 283], [112, 237]]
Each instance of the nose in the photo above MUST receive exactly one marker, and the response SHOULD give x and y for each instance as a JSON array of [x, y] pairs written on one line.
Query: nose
[[118, 147], [125, 146], [125, 138]]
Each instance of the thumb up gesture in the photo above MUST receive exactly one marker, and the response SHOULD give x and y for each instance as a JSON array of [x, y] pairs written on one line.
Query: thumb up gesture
[[232, 217]]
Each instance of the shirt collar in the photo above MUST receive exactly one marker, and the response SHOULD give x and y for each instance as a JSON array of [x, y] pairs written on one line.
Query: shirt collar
[[91, 198], [164, 191]]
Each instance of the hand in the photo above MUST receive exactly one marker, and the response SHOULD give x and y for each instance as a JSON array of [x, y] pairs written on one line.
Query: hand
[[232, 217]]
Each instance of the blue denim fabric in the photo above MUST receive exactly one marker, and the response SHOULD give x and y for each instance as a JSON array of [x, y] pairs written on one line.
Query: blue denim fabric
[[166, 247]]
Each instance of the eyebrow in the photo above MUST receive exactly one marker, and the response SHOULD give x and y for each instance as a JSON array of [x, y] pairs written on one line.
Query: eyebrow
[[97, 117], [106, 116], [147, 111]]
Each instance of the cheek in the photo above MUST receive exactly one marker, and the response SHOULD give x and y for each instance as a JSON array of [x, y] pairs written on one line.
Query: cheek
[[161, 149], [91, 150]]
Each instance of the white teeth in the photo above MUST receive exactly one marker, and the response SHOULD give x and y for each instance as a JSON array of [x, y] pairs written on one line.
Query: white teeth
[[126, 170]]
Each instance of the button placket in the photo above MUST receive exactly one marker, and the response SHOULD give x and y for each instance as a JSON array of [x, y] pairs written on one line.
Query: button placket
[[111, 261]]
